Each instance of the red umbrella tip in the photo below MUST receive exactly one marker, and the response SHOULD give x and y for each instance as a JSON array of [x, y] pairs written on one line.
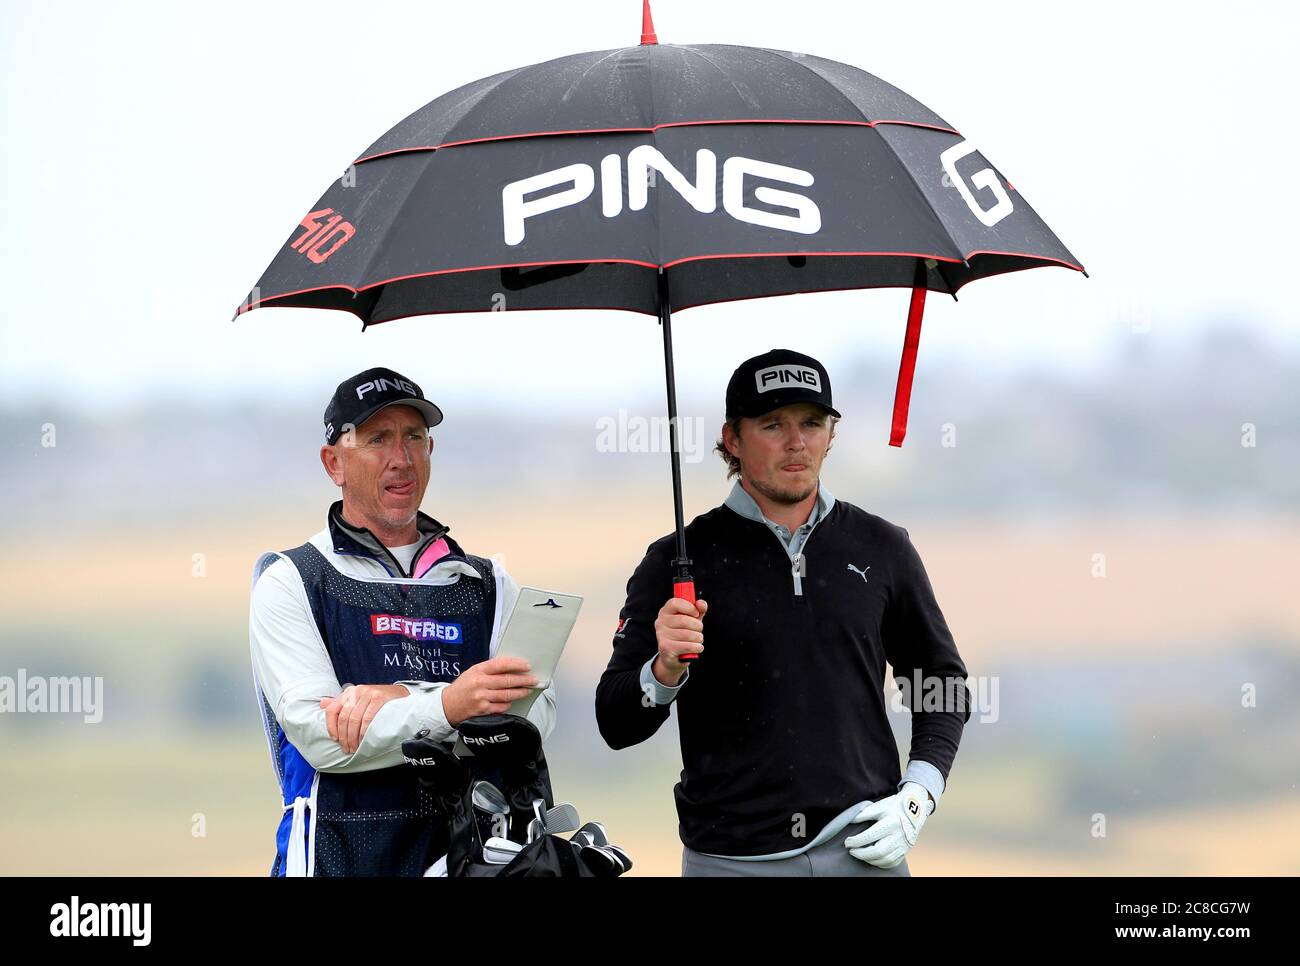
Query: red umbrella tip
[[647, 24]]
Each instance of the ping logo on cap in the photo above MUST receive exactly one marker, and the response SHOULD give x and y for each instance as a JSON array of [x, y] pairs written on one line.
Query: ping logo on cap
[[779, 377], [384, 384]]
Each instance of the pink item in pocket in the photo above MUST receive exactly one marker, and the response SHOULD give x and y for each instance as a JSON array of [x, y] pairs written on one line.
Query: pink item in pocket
[[432, 554]]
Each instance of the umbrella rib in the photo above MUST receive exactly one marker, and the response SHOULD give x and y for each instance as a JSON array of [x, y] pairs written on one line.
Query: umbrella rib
[[360, 280], [798, 61], [710, 62], [593, 66], [960, 252], [460, 117], [911, 177], [654, 139]]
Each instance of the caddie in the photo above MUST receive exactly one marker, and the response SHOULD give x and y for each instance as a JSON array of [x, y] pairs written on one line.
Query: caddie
[[377, 627]]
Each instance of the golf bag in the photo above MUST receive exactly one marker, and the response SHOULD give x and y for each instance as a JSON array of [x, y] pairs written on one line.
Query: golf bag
[[495, 797]]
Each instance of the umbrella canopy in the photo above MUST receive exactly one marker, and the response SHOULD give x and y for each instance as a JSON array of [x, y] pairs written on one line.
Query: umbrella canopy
[[654, 178], [741, 172]]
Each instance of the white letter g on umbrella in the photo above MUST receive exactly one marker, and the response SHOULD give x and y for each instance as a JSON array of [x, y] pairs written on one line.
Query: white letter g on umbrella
[[981, 179]]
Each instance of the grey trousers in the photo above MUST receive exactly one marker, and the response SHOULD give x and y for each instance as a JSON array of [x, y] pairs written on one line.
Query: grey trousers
[[830, 858]]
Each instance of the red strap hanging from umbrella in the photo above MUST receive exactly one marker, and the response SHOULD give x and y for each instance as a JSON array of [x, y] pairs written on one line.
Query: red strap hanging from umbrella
[[907, 366]]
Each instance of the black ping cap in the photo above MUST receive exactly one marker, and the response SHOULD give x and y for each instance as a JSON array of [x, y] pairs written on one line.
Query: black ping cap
[[359, 398], [780, 377]]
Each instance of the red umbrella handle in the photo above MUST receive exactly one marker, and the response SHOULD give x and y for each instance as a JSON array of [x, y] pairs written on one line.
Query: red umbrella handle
[[684, 589]]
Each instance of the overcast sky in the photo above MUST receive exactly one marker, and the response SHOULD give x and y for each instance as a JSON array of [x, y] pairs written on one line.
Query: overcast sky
[[157, 155]]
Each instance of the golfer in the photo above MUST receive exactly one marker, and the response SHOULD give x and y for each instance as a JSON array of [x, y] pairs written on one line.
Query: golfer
[[789, 767], [376, 628]]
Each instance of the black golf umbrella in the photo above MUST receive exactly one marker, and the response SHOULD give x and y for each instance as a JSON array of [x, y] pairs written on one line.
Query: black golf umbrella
[[654, 179]]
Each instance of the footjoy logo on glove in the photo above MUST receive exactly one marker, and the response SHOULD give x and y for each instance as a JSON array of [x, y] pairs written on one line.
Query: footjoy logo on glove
[[417, 629]]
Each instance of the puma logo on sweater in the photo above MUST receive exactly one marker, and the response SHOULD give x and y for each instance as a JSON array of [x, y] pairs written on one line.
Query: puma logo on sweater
[[860, 573]]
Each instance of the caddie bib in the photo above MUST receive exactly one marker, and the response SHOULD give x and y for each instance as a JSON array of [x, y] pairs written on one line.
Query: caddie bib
[[376, 630]]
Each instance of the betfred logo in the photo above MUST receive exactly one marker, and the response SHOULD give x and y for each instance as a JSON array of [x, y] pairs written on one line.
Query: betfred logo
[[323, 236], [415, 628]]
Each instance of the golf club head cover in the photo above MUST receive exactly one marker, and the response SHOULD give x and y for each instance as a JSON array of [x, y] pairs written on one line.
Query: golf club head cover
[[448, 779], [605, 862], [436, 767], [507, 751], [502, 740]]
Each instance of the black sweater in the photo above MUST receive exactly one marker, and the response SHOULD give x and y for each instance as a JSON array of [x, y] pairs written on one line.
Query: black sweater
[[783, 717]]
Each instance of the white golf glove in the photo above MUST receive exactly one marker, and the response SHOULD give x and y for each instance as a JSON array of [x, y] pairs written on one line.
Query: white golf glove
[[898, 820]]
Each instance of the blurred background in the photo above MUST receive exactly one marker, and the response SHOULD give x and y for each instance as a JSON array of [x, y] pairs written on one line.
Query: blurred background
[[1102, 476]]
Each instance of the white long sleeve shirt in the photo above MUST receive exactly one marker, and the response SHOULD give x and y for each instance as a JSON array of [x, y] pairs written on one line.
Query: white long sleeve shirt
[[293, 668]]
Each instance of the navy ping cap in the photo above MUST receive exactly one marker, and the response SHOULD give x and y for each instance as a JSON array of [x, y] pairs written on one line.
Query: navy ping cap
[[780, 377], [357, 399]]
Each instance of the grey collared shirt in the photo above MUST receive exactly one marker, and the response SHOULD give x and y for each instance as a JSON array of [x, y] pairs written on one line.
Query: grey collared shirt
[[739, 500], [744, 504]]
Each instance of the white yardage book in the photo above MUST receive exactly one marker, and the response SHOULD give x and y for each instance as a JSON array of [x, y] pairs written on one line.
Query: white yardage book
[[537, 630]]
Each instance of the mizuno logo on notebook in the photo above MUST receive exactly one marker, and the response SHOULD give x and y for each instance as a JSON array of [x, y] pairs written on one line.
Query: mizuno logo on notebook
[[549, 602]]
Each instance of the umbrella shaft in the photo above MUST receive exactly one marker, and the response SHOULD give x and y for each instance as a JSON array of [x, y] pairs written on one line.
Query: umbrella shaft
[[665, 320]]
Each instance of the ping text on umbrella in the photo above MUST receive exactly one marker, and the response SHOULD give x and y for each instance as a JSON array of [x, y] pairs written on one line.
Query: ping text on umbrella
[[701, 194]]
